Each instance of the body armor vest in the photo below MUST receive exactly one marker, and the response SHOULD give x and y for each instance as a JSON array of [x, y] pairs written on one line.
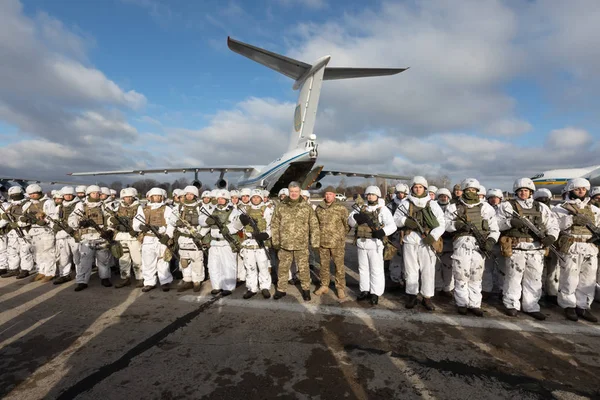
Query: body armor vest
[[587, 212], [155, 217], [256, 214], [94, 213], [189, 214], [222, 214], [36, 207], [363, 230], [418, 214], [533, 214], [65, 211], [473, 215], [16, 210]]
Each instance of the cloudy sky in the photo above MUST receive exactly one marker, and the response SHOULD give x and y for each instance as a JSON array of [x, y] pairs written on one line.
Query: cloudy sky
[[495, 89]]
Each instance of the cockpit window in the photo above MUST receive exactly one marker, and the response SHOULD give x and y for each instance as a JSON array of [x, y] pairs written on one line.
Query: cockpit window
[[538, 176]]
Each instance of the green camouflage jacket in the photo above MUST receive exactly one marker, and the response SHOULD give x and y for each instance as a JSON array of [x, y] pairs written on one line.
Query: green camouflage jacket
[[293, 225], [333, 223]]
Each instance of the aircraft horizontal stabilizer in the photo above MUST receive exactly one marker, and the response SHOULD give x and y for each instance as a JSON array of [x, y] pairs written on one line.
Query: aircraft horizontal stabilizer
[[332, 73], [363, 175], [167, 170]]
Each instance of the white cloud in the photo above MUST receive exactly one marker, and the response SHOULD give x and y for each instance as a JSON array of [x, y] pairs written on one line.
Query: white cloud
[[570, 138], [508, 127]]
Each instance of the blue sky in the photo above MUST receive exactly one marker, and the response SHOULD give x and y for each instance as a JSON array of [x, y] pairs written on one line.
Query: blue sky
[[495, 89]]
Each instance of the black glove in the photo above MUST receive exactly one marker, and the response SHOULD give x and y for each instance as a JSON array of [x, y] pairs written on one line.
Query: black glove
[[107, 235], [210, 221], [579, 220], [489, 244], [56, 228], [379, 234], [361, 218], [410, 224], [84, 223], [429, 240], [70, 230], [133, 233], [517, 223], [461, 226], [262, 236], [165, 240], [245, 220], [548, 241], [144, 228]]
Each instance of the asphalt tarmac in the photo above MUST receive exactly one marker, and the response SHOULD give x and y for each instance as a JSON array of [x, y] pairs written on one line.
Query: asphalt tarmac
[[107, 343]]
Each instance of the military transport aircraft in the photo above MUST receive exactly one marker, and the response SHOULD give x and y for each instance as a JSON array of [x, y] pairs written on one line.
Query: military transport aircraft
[[5, 183], [556, 179], [298, 162]]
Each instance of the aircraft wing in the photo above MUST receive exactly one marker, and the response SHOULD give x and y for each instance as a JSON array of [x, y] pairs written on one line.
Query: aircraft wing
[[594, 177], [222, 168], [324, 173], [23, 181]]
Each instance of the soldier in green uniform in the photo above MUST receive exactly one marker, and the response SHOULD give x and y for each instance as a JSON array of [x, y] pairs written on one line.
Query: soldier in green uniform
[[333, 225], [294, 227]]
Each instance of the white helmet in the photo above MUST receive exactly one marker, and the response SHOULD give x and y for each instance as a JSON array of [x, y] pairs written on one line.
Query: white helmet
[[15, 190], [234, 193], [402, 188], [113, 192], [189, 189], [68, 190], [284, 191], [305, 193], [57, 194], [246, 192], [165, 194], [155, 192], [373, 190], [53, 192], [134, 191], [126, 192], [494, 193], [222, 193], [470, 183], [213, 193], [419, 180], [266, 193], [443, 191], [541, 193], [482, 190], [595, 191], [432, 188], [81, 189], [257, 192], [92, 189], [33, 188], [571, 185], [206, 193], [178, 192], [524, 183], [105, 190]]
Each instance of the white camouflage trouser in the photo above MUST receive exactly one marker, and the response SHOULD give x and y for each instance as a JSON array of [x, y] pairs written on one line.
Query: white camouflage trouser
[[19, 252], [467, 266], [370, 266], [153, 262], [241, 269], [3, 252], [444, 277], [44, 251], [192, 260], [578, 274], [523, 281], [551, 275], [419, 264], [222, 265], [493, 276], [132, 256], [257, 266], [91, 251], [68, 254]]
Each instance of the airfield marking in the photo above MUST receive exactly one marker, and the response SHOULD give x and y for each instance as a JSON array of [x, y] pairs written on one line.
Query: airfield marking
[[407, 316]]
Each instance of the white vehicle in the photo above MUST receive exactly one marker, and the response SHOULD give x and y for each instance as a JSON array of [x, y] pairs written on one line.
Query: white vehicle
[[340, 197], [556, 179], [298, 162]]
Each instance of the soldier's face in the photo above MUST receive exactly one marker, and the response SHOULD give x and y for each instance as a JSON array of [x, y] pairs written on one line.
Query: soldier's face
[[596, 197], [235, 200], [523, 193], [245, 199], [418, 190], [282, 197], [103, 196], [58, 201], [400, 195], [580, 192], [295, 193], [35, 196], [372, 198], [482, 196], [81, 195], [95, 195], [432, 195], [189, 196], [221, 201], [329, 197], [128, 200], [458, 192], [442, 198], [68, 197], [206, 200], [256, 200], [494, 201], [156, 198]]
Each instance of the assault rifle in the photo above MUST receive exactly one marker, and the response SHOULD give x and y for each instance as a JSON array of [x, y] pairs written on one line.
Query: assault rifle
[[196, 236], [226, 235], [537, 232], [104, 234], [159, 236], [14, 223], [371, 225], [120, 220], [479, 238], [421, 230], [70, 231], [588, 223], [254, 225]]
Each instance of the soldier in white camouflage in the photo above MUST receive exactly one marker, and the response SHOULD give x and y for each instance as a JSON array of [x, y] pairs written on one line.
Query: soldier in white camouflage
[[19, 253], [67, 248], [333, 226], [294, 228]]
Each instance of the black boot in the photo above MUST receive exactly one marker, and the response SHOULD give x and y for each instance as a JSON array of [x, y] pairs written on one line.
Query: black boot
[[428, 304], [184, 286], [249, 295], [23, 274], [412, 301], [279, 294], [462, 310], [266, 294], [166, 287], [362, 296], [552, 300], [80, 287], [10, 273], [374, 299], [3, 271], [306, 295], [476, 311], [226, 292], [537, 315], [215, 291], [146, 289], [511, 312], [123, 283], [571, 314], [62, 279], [106, 282], [586, 314]]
